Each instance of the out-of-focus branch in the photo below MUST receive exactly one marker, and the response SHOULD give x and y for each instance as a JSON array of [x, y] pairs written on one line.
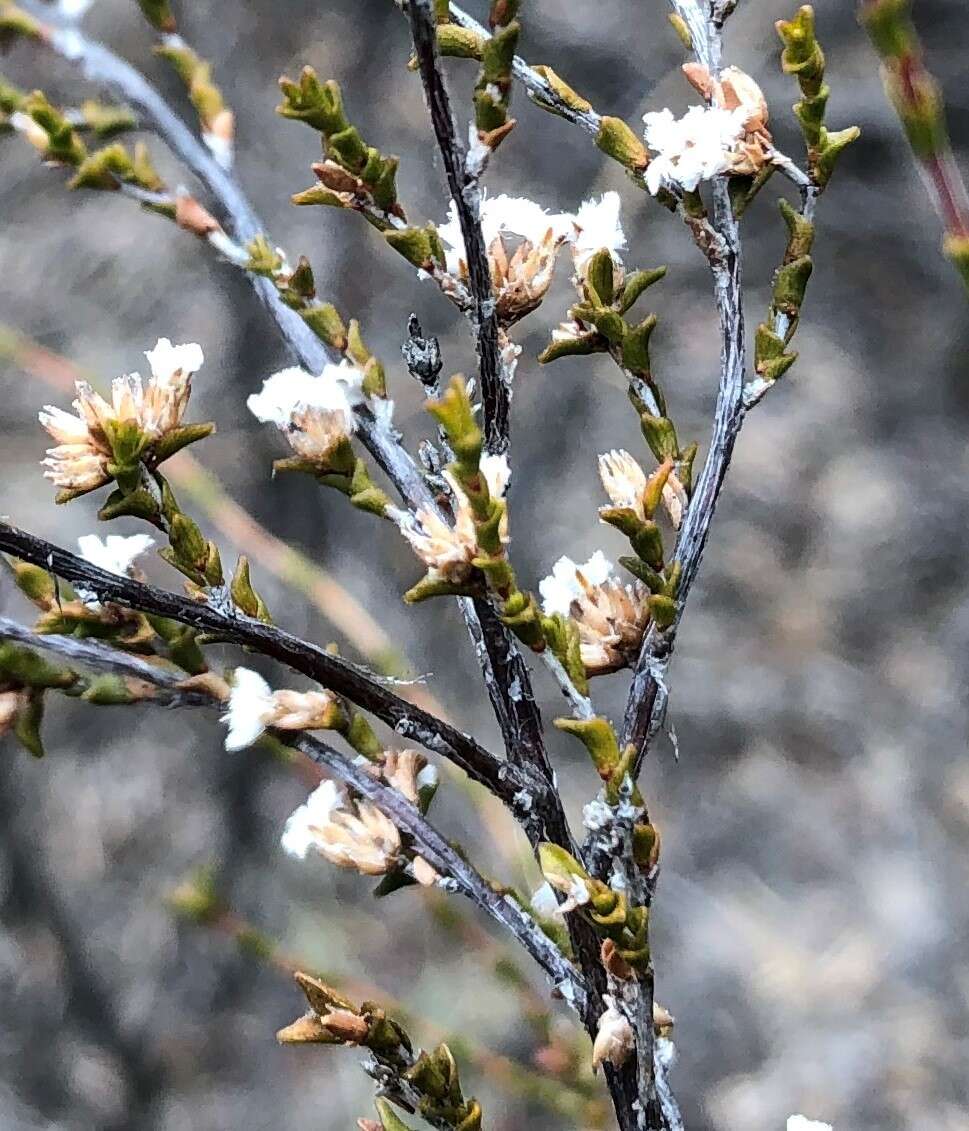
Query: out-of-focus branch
[[917, 100], [554, 1094], [463, 174]]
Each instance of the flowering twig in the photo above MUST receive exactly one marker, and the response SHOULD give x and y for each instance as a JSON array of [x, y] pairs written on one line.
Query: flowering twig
[[505, 665], [433, 847], [463, 175], [338, 674]]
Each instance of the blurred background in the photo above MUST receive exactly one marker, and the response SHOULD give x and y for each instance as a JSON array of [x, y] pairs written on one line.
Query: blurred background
[[810, 924]]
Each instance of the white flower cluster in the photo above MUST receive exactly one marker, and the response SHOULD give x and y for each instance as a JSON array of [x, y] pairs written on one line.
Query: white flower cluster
[[729, 134], [154, 407], [521, 276], [802, 1123], [350, 835], [314, 413], [691, 149], [611, 616], [448, 550], [501, 215], [568, 582]]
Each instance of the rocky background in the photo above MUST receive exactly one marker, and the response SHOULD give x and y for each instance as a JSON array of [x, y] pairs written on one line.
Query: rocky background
[[809, 932]]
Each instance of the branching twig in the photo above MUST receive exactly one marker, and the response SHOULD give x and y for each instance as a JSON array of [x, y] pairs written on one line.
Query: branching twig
[[462, 178], [433, 847], [511, 784], [102, 66]]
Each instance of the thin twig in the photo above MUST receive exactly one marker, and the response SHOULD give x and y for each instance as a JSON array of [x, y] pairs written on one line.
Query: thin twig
[[462, 178], [166, 681], [356, 683]]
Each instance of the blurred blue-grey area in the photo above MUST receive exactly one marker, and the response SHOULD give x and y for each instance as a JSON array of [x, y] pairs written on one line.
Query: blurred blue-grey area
[[809, 931]]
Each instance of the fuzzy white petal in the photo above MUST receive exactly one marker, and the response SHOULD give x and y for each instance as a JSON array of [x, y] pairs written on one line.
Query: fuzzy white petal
[[598, 226], [166, 360], [116, 554], [250, 702], [802, 1123], [298, 834], [496, 472], [693, 148]]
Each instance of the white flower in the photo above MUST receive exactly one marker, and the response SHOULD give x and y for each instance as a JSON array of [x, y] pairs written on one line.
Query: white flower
[[350, 835], [544, 902], [448, 550], [614, 1037], [315, 413], [565, 585], [253, 706], [516, 215], [250, 705], [611, 617], [291, 391], [299, 834], [597, 226], [170, 364], [116, 554], [691, 149], [521, 276], [802, 1123], [155, 407]]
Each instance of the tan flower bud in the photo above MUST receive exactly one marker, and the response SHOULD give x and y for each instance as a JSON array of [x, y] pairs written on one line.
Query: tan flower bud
[[425, 875], [307, 1029], [614, 1039], [346, 1026], [191, 216]]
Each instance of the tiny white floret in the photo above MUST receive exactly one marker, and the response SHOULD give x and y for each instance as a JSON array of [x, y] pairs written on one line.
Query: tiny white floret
[[300, 832], [250, 705], [597, 226], [116, 553]]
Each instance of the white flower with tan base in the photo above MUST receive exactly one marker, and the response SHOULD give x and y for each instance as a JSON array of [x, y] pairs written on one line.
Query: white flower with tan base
[[522, 241], [611, 617], [350, 835], [315, 414], [139, 414], [254, 706], [449, 549]]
